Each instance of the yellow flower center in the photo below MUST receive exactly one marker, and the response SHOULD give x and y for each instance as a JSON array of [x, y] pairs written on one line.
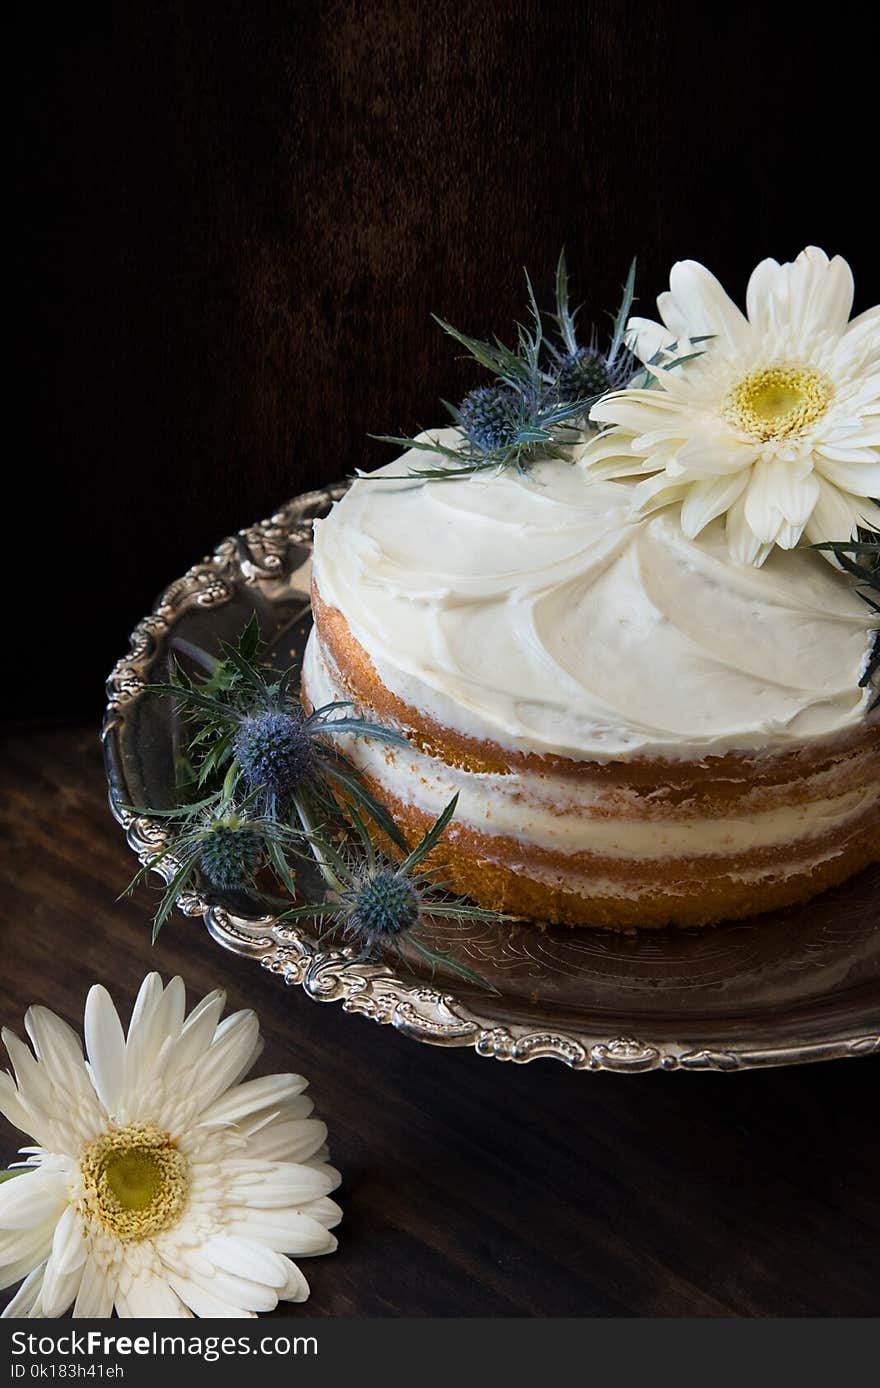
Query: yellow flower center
[[778, 402], [134, 1181]]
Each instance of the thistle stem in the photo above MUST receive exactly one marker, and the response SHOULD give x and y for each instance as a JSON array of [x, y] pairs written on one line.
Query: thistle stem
[[308, 825]]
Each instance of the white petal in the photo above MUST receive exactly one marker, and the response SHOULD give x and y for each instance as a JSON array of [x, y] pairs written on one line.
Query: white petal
[[35, 1088], [72, 1104], [788, 535], [296, 1288], [672, 316], [247, 1258], [148, 1296], [820, 292], [173, 1007], [287, 1231], [658, 446], [270, 1091], [762, 514], [743, 544], [94, 1300], [762, 296], [11, 1106], [235, 1289], [779, 491], [105, 1043], [659, 490], [55, 1043], [294, 1141], [624, 465], [862, 322], [32, 1199], [637, 411], [198, 1031], [833, 516], [69, 1245], [10, 1273], [704, 501], [646, 338], [22, 1249], [602, 447], [155, 1026], [299, 1107], [856, 448], [202, 1303], [837, 515], [863, 334], [863, 478], [250, 1060], [59, 1289], [22, 1304], [325, 1211], [144, 1038], [796, 490], [868, 513], [700, 305], [149, 994], [223, 1062], [282, 1184], [714, 455]]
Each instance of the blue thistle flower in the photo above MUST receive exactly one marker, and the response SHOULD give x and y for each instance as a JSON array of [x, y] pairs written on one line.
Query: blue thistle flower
[[231, 853], [379, 902], [538, 406], [274, 750], [582, 374], [386, 905], [272, 773], [489, 418]]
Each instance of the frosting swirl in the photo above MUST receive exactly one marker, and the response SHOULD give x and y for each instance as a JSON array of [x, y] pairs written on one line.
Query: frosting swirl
[[539, 613]]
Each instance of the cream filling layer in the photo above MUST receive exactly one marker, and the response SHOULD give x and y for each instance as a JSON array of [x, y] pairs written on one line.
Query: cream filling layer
[[536, 612], [523, 805], [622, 888]]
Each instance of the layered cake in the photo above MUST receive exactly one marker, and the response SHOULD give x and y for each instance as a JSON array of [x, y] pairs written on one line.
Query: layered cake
[[639, 731], [600, 618]]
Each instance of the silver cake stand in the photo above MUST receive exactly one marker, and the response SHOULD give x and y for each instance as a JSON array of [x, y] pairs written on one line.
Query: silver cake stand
[[793, 986]]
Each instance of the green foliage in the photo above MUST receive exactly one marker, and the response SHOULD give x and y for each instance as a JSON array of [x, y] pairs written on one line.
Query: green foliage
[[861, 560], [546, 422], [242, 835]]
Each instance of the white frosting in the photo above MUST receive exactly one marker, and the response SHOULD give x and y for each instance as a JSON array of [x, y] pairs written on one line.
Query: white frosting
[[567, 817], [537, 613]]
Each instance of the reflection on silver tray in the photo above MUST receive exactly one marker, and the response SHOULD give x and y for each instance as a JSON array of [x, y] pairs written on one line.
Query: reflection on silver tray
[[795, 985]]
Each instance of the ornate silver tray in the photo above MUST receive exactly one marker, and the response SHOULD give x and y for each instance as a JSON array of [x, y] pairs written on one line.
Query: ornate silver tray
[[793, 986]]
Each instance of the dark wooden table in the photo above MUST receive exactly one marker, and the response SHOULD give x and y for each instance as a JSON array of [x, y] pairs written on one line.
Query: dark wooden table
[[472, 1188]]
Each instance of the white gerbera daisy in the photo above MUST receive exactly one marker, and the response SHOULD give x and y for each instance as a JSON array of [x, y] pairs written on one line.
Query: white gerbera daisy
[[162, 1185], [775, 424]]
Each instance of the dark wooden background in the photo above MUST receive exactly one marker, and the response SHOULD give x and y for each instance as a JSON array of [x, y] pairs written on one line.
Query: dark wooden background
[[233, 224], [235, 220]]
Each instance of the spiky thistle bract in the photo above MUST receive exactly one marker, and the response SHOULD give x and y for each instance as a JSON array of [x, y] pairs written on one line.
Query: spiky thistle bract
[[226, 844], [263, 776], [379, 901], [275, 750], [490, 417], [583, 372], [544, 387], [268, 787], [231, 852], [244, 716]]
